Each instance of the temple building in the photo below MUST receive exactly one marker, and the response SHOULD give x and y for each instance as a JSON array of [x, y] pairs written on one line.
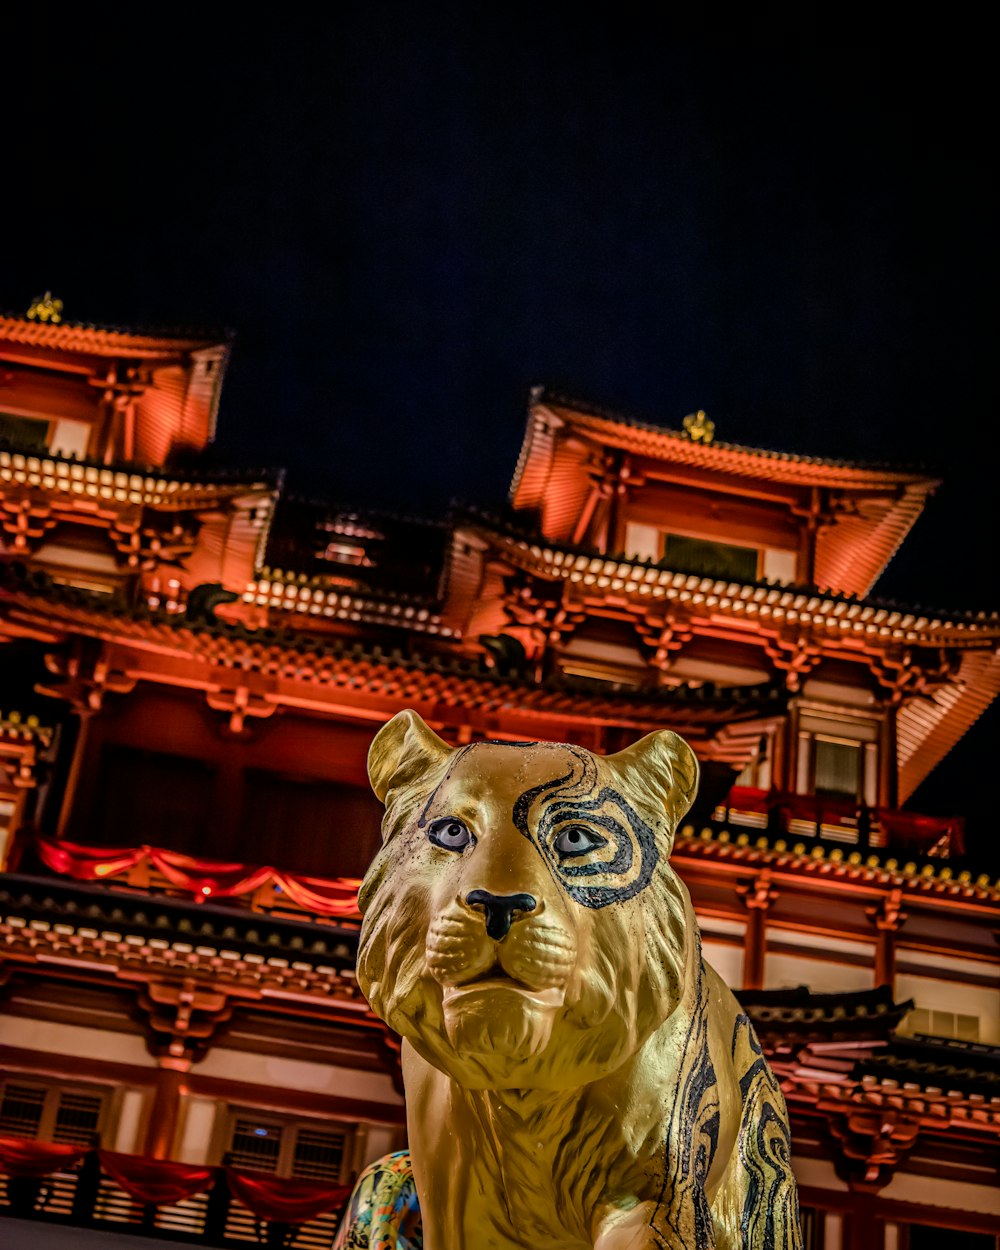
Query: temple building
[[194, 664]]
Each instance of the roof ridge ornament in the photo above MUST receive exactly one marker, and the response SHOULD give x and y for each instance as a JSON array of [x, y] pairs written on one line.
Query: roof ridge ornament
[[45, 308], [699, 428]]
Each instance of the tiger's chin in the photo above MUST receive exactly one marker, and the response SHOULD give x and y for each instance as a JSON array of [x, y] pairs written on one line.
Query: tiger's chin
[[497, 1019]]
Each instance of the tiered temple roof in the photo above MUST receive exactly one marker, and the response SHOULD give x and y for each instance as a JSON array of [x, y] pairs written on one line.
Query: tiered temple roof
[[150, 395], [566, 450]]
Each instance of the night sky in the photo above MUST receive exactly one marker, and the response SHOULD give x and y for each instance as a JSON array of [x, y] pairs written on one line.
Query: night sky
[[410, 214]]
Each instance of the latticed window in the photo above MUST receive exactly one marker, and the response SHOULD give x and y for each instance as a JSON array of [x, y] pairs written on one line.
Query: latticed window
[[318, 1154], [838, 768], [701, 555], [77, 1117], [306, 1150], [27, 433], [50, 1114], [943, 1024], [21, 1110]]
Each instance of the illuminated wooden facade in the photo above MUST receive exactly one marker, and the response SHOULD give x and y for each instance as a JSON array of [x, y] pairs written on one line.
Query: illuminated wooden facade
[[195, 665]]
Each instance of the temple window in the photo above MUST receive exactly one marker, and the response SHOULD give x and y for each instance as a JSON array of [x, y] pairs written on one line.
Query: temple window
[[48, 1113], [345, 553], [26, 433], [687, 553], [943, 1024], [836, 768], [957, 1002], [715, 559], [838, 758], [59, 435], [307, 1150]]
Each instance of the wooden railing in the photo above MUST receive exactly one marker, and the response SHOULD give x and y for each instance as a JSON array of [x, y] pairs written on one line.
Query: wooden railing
[[84, 1196], [842, 820]]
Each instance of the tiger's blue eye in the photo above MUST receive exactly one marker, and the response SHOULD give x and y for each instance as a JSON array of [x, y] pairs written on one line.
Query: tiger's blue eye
[[577, 840], [449, 833]]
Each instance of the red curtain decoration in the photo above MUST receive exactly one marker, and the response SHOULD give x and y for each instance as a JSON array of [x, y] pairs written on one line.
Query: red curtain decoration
[[157, 1181], [160, 1182], [87, 863], [207, 878], [20, 1156], [922, 832], [749, 799], [326, 898], [285, 1201]]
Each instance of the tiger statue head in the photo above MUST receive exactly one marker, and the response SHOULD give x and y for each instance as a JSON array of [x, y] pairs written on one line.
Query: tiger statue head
[[523, 928]]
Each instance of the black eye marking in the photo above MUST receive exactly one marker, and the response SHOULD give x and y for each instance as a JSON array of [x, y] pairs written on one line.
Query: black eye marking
[[449, 833], [577, 840], [571, 795]]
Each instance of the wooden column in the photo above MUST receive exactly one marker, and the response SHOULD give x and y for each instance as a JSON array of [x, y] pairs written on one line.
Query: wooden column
[[616, 488], [862, 1230], [757, 898], [165, 1112], [888, 919], [889, 764], [85, 715]]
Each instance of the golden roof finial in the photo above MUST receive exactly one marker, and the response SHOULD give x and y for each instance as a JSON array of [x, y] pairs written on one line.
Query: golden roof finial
[[45, 308], [698, 427]]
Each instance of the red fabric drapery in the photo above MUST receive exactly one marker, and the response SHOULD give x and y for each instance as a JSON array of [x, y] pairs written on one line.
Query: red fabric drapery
[[916, 832], [328, 898], [88, 863], [20, 1156], [156, 1181], [922, 832], [285, 1201], [162, 1181], [207, 878], [749, 799]]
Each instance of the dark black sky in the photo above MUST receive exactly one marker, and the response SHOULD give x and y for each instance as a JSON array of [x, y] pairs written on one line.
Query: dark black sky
[[409, 214]]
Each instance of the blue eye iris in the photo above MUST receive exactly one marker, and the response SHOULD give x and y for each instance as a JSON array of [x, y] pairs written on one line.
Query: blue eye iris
[[577, 840], [449, 833]]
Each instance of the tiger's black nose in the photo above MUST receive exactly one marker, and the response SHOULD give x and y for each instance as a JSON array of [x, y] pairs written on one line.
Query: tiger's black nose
[[500, 909]]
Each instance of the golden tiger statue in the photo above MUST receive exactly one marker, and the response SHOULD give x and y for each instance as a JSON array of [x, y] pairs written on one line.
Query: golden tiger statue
[[577, 1077]]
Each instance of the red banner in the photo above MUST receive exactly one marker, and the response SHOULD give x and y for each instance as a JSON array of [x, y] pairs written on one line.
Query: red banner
[[156, 1181], [87, 863], [326, 898], [285, 1201], [206, 878], [160, 1182], [920, 833], [20, 1156]]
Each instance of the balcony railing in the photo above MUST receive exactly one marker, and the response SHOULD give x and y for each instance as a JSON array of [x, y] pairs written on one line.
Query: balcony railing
[[90, 1191], [842, 820], [153, 870]]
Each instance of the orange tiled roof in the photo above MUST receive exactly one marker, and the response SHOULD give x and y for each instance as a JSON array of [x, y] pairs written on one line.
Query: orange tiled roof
[[67, 477], [930, 880], [727, 723], [553, 476], [842, 616], [73, 336]]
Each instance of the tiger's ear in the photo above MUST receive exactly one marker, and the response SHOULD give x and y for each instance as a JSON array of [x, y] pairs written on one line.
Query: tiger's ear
[[402, 750], [664, 770]]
